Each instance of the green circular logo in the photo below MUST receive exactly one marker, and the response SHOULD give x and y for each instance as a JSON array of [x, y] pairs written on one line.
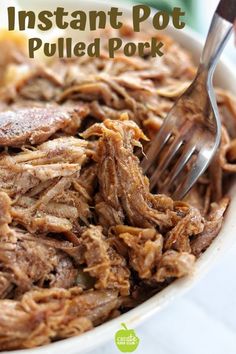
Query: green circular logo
[[126, 339]]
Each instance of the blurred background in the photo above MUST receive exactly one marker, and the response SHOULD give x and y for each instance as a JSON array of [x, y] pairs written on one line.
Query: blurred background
[[198, 16]]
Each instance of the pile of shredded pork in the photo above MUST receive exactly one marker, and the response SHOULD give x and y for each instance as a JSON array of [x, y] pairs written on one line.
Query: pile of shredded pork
[[82, 238]]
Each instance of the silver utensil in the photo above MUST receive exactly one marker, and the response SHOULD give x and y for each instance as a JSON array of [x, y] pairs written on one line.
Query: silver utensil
[[192, 129]]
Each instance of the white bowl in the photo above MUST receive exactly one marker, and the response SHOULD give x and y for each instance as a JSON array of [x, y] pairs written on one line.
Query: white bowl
[[225, 77]]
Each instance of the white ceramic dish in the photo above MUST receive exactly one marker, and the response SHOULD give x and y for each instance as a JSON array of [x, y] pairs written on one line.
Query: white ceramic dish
[[226, 78]]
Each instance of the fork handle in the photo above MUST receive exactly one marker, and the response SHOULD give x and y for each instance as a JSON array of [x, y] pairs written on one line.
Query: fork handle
[[220, 30], [227, 10]]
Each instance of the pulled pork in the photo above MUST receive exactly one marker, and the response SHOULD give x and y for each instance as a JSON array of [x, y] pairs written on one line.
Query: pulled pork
[[82, 237], [41, 316], [36, 125]]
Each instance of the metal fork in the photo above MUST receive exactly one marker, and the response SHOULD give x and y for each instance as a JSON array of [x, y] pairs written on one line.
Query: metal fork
[[193, 127]]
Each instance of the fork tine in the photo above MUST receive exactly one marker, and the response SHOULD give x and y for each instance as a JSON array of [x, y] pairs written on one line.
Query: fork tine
[[179, 165], [197, 169], [156, 146], [165, 161]]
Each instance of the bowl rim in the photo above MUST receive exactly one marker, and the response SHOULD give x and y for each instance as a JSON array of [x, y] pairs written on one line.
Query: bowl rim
[[102, 333]]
